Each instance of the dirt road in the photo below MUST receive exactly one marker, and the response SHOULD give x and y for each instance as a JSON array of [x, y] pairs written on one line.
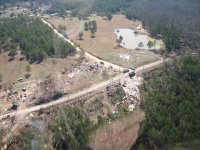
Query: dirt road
[[74, 97], [21, 114], [66, 99], [87, 55]]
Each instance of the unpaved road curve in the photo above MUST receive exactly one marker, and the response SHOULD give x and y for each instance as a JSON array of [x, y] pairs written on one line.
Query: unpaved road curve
[[87, 55], [74, 97]]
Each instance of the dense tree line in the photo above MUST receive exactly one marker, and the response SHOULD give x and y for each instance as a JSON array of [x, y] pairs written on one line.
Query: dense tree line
[[105, 7], [61, 7], [180, 19], [35, 39], [3, 2], [77, 7], [71, 130], [171, 102], [177, 21]]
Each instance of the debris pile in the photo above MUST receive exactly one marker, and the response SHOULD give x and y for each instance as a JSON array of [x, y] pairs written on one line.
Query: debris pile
[[112, 89], [95, 106], [48, 90], [88, 68], [94, 67], [131, 88]]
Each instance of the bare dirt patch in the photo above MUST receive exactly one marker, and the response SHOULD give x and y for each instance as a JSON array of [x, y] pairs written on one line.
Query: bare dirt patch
[[119, 134]]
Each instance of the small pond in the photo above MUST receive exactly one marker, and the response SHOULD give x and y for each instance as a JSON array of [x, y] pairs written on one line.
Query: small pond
[[132, 39]]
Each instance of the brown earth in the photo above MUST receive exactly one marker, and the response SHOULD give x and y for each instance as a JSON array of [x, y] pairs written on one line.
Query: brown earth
[[118, 135]]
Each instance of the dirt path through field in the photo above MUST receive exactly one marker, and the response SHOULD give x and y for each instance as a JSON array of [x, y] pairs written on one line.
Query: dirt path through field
[[74, 97]]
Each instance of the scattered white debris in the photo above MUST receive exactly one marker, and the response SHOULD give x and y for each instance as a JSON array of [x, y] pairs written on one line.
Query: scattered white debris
[[124, 56], [131, 88], [71, 75], [131, 107], [5, 146], [31, 115], [139, 27]]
